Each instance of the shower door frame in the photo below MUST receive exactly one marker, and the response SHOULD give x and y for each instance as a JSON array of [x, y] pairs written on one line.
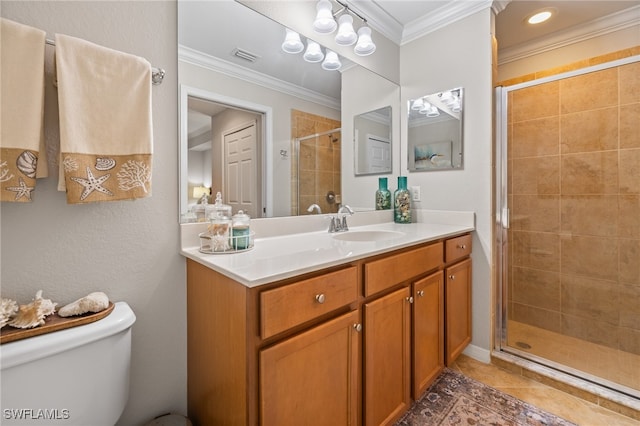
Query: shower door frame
[[502, 223]]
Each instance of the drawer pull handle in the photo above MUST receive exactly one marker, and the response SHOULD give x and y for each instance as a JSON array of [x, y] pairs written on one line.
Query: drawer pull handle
[[452, 277], [357, 327], [320, 298], [421, 293], [462, 246], [410, 299]]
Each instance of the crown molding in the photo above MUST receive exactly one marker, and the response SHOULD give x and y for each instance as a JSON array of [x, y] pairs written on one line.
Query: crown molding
[[453, 11], [442, 17], [379, 20], [607, 24], [195, 57]]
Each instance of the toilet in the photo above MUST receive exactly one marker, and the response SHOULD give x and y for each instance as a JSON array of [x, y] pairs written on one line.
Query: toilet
[[76, 376]]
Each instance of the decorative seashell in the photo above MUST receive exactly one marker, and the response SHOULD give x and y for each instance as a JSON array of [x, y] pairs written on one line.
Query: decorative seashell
[[8, 308], [94, 302], [26, 163], [103, 164], [70, 164], [34, 313]]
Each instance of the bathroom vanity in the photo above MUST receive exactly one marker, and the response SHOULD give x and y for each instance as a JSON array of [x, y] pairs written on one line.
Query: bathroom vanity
[[321, 329]]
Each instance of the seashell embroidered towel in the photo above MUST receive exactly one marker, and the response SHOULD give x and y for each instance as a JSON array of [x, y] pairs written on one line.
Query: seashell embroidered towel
[[106, 133], [21, 110]]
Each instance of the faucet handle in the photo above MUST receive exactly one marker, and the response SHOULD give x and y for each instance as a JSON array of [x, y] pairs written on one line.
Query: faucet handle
[[344, 226], [332, 225]]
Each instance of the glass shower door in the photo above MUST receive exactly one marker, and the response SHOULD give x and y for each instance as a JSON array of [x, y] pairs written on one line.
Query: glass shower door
[[568, 223]]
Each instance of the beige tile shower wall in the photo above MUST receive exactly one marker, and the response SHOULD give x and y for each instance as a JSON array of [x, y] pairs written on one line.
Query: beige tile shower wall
[[319, 162], [574, 192]]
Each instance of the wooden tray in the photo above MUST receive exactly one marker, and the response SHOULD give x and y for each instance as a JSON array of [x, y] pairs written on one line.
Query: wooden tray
[[52, 323]]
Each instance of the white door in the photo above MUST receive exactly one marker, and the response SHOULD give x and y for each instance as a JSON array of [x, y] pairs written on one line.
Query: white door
[[240, 170], [378, 154]]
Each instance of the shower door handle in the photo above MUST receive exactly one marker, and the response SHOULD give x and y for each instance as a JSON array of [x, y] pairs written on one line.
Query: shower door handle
[[505, 218]]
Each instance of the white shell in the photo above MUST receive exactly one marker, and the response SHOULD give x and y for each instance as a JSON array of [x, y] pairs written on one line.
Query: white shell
[[94, 302], [104, 164], [8, 308], [27, 163], [34, 313]]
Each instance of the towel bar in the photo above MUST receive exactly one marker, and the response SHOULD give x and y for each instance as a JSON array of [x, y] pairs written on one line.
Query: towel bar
[[157, 74]]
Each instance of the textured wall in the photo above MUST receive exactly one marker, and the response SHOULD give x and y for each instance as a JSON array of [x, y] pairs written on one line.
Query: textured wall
[[129, 250]]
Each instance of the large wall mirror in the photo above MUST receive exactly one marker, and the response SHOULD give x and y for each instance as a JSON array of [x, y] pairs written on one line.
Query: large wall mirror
[[235, 79], [434, 137]]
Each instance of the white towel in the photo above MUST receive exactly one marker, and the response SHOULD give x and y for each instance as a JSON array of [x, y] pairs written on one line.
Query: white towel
[[22, 151], [106, 134]]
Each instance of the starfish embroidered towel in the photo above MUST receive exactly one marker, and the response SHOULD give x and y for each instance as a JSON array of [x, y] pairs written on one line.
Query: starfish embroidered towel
[[22, 153], [106, 133]]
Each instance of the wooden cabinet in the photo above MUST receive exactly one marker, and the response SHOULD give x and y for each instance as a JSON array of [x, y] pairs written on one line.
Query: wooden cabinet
[[349, 345], [387, 357], [457, 297], [428, 331], [312, 378]]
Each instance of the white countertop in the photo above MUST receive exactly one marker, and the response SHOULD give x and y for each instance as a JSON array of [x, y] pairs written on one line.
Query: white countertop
[[275, 258]]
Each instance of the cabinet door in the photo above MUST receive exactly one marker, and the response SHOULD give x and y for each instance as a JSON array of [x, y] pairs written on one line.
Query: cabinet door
[[428, 331], [387, 357], [458, 309], [312, 378]]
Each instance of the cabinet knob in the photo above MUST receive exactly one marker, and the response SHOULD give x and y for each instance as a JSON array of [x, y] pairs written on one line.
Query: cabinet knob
[[462, 246], [320, 298], [421, 293], [452, 277], [410, 299], [357, 327]]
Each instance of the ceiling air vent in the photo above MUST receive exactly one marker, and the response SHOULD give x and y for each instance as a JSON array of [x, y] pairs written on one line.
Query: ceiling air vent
[[243, 54]]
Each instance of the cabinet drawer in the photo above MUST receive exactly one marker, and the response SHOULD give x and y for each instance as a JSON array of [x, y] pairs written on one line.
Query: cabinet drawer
[[293, 304], [389, 271], [457, 248]]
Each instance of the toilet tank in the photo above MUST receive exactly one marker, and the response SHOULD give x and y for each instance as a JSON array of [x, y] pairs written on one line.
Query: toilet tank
[[76, 376]]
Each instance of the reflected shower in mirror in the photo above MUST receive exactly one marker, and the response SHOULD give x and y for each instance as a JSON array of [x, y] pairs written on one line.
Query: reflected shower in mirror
[[372, 147], [435, 136]]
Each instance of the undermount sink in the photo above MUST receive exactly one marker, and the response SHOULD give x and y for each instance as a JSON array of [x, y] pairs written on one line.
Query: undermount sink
[[368, 235]]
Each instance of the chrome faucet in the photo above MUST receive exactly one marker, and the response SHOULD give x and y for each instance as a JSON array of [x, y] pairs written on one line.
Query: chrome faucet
[[315, 207], [338, 223]]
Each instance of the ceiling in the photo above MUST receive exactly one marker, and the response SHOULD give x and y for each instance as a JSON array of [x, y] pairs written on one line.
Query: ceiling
[[206, 26]]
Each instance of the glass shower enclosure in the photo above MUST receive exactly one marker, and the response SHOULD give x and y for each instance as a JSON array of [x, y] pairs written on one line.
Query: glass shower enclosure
[[568, 223]]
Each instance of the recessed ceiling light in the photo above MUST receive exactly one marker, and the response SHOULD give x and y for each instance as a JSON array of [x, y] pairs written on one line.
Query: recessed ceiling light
[[540, 16]]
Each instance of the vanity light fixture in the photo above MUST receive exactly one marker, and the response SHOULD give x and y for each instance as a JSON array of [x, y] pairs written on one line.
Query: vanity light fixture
[[324, 22], [365, 44], [292, 43], [346, 34]]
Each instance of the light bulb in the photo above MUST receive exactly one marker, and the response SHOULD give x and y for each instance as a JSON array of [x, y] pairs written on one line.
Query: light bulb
[[346, 35], [324, 22], [365, 44], [292, 43]]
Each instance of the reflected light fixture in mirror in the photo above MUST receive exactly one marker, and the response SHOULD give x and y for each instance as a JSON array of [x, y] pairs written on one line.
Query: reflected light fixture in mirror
[[331, 61], [313, 52], [292, 43]]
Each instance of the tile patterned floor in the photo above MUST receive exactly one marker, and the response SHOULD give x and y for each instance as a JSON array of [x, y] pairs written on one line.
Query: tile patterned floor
[[547, 398]]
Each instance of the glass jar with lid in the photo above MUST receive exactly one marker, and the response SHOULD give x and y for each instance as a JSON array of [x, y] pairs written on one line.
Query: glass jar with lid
[[240, 231]]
